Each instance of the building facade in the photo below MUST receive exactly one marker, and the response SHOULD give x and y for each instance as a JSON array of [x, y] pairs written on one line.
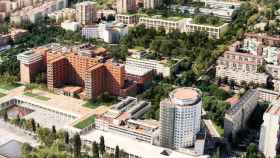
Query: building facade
[[151, 4], [269, 143], [180, 117], [86, 12], [237, 116], [182, 25], [125, 6], [81, 67], [158, 66], [129, 19], [241, 67]]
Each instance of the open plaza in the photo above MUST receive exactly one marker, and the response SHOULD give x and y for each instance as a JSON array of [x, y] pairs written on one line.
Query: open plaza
[[47, 109]]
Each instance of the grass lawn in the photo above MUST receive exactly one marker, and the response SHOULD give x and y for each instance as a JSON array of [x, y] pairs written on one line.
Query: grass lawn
[[93, 104], [99, 102], [86, 122], [36, 96], [219, 129], [139, 48], [8, 86], [2, 95]]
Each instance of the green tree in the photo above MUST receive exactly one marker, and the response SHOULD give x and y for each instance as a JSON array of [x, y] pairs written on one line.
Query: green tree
[[231, 83], [77, 146], [102, 145], [252, 151], [45, 137], [6, 117], [53, 130], [17, 121], [95, 150], [66, 137], [117, 152], [26, 150], [33, 125]]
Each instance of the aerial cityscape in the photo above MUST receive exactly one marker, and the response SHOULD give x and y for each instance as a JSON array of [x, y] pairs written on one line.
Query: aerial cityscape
[[139, 78]]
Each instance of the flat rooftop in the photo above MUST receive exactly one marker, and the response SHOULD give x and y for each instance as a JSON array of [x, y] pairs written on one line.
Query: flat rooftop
[[236, 107], [58, 102], [141, 149], [133, 70], [185, 93]]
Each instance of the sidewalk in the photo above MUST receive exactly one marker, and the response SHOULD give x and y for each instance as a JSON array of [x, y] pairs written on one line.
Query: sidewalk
[[9, 132]]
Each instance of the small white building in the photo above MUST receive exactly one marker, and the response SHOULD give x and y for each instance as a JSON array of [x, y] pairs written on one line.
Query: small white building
[[109, 32], [70, 25]]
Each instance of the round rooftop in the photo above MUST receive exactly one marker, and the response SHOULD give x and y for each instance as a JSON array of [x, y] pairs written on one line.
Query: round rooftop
[[185, 95]]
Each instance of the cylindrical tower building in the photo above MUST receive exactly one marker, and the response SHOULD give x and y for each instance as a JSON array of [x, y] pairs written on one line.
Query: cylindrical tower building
[[180, 117]]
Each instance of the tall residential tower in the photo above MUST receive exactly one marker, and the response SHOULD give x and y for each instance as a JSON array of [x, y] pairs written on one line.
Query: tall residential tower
[[180, 117], [86, 12], [269, 143]]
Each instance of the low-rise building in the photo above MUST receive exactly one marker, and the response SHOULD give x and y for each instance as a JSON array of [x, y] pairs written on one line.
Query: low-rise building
[[70, 25], [129, 19], [161, 67], [108, 32], [118, 114], [141, 130], [63, 15], [182, 25], [143, 77], [134, 148], [213, 31]]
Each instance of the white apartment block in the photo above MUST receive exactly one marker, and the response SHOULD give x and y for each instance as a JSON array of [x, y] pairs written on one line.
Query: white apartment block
[[70, 25], [269, 136], [108, 32], [86, 12], [271, 54], [129, 19], [274, 70], [180, 118], [151, 4], [160, 68], [213, 31], [32, 14], [241, 76], [183, 25], [157, 22], [237, 116], [62, 15], [240, 67]]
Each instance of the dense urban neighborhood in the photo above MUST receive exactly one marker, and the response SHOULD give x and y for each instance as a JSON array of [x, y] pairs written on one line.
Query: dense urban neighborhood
[[139, 78]]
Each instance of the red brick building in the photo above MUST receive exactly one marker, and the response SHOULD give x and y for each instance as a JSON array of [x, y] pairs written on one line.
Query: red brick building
[[73, 68]]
